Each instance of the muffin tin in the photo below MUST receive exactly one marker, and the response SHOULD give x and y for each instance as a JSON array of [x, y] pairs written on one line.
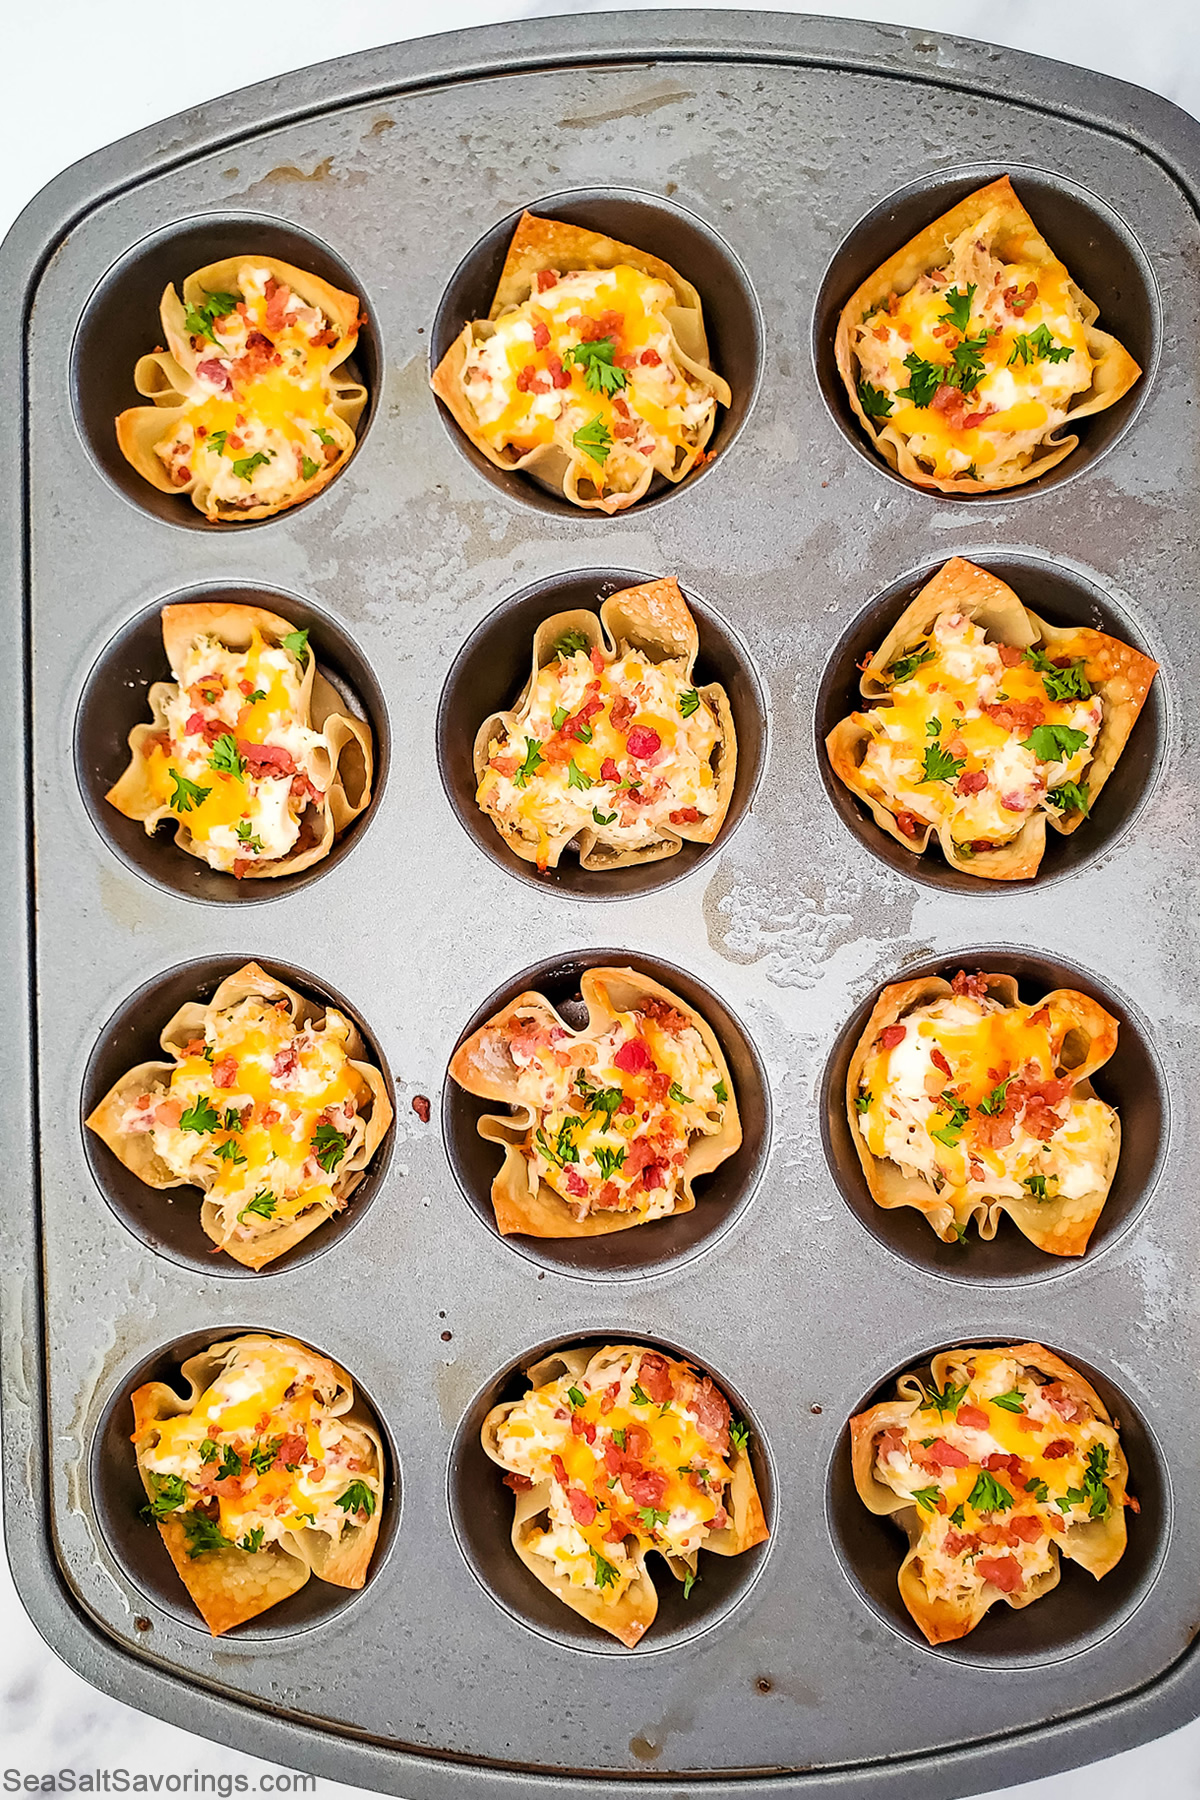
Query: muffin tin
[[744, 148]]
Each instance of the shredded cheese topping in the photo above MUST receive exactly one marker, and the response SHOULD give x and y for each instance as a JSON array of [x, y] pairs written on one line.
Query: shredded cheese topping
[[260, 1113], [641, 1462], [999, 1466], [615, 1115], [978, 736], [976, 365], [624, 748], [589, 363], [236, 760], [258, 427], [263, 1453], [969, 1092]]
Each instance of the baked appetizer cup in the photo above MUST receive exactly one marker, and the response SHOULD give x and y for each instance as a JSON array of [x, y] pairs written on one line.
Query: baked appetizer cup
[[985, 723], [249, 753], [591, 372], [611, 748], [614, 1453], [254, 399], [268, 1471], [971, 353], [1000, 1464], [265, 1103], [965, 1103], [608, 1126]]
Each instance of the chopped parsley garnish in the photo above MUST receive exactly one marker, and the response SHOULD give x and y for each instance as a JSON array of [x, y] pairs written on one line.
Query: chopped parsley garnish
[[357, 1498], [168, 1493], [594, 440], [906, 667], [563, 1150], [533, 762], [226, 759], [639, 1396], [875, 403], [933, 728], [609, 1161], [229, 1152], [606, 1573], [262, 1206], [968, 371], [1037, 1186], [245, 466], [689, 1582], [324, 436], [576, 777], [330, 1146], [245, 835], [253, 1540], [201, 1116], [958, 307], [651, 1518], [263, 1455], [209, 1450], [952, 1130], [989, 1496], [1094, 1483], [739, 1434], [567, 645], [619, 1437], [1034, 346], [863, 1102], [927, 1498], [232, 1120], [943, 1401], [721, 1093], [600, 373], [676, 1093], [1069, 683], [689, 702], [1070, 796], [308, 467], [1054, 743], [924, 379], [994, 1103], [958, 1516], [198, 320], [231, 1464], [939, 765], [558, 717], [187, 794], [602, 818], [216, 441], [1013, 1401], [1039, 1490], [576, 1396], [203, 1534], [297, 643]]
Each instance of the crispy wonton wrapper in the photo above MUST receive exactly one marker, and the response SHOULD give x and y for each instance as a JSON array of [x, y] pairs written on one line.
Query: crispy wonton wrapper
[[344, 771], [1060, 1226], [231, 1586], [655, 619], [165, 377], [553, 244], [1007, 229], [136, 1149], [530, 1207], [631, 1616], [1117, 672], [1097, 1545]]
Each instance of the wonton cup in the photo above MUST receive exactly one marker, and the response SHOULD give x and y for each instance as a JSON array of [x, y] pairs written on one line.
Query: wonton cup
[[345, 770], [230, 1586], [1097, 1545], [655, 619], [1013, 236], [528, 1206], [629, 1617], [165, 376], [1061, 1226], [135, 1150], [553, 244], [1117, 672]]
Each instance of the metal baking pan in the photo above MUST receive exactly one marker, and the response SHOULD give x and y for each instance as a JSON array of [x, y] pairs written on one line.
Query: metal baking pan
[[754, 144]]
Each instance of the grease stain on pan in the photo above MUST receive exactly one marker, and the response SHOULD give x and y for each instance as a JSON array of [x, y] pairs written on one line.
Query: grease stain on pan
[[288, 172], [634, 109], [798, 928]]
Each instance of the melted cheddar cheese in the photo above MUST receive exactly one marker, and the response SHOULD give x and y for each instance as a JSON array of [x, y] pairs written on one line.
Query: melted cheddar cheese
[[258, 427], [995, 1484], [622, 748], [260, 1113], [614, 1115], [262, 1453], [640, 1463], [968, 1093], [977, 737], [236, 761], [589, 363], [977, 364]]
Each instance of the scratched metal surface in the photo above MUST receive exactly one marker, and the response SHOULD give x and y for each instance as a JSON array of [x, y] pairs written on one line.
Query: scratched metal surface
[[792, 925]]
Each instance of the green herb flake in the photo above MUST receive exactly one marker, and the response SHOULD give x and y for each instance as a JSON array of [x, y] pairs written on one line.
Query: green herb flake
[[308, 468], [263, 1455], [689, 1582], [167, 1494], [1070, 796], [226, 758], [200, 1116], [652, 1518], [906, 666], [939, 765], [721, 1094], [567, 645], [1054, 743], [1038, 346], [202, 1534], [639, 1396], [994, 1103], [576, 1396], [927, 1498], [958, 307], [357, 1498], [245, 466], [606, 1573], [689, 702], [1067, 683], [608, 1161], [296, 642], [198, 321], [863, 1102], [253, 1540], [594, 439], [874, 402], [676, 1093], [262, 1206], [600, 373], [186, 794], [576, 777], [330, 1146], [602, 818], [230, 1152], [1013, 1401], [989, 1495], [945, 1402], [1036, 1186], [533, 762], [739, 1434]]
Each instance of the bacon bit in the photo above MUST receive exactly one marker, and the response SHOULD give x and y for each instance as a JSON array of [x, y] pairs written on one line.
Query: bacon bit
[[1132, 1504], [956, 1542], [505, 765], [583, 1428], [287, 1062], [972, 782], [224, 1073], [583, 1507], [997, 1462], [653, 1177], [642, 742], [329, 336], [713, 1417], [974, 985], [291, 1452], [684, 815], [1042, 1122], [646, 1489], [1019, 300], [183, 474], [978, 844], [974, 1170], [560, 1473], [1056, 1521], [560, 377], [655, 1377], [518, 1483], [266, 759], [939, 1061], [546, 279], [240, 865], [168, 1113], [975, 419], [1003, 1572], [541, 336], [883, 334], [626, 1104], [526, 379], [217, 373], [1064, 1403], [575, 1183], [1041, 1016], [609, 770], [650, 359], [940, 1455], [973, 1417], [625, 429], [891, 1035], [621, 713], [907, 822], [634, 1056], [1010, 654], [277, 299], [1016, 715], [609, 324], [949, 401], [1027, 1528], [893, 304]]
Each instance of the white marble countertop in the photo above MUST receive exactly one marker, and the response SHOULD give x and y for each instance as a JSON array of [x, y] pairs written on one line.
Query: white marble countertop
[[119, 64]]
